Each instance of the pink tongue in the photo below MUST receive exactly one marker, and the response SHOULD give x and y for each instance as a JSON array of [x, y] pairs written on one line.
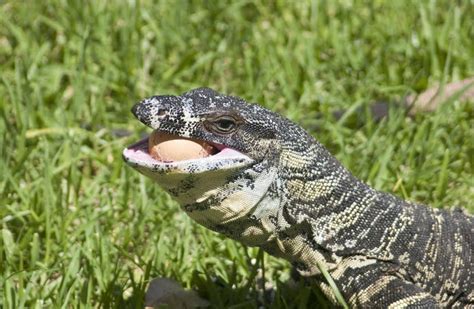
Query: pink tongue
[[229, 152], [139, 155]]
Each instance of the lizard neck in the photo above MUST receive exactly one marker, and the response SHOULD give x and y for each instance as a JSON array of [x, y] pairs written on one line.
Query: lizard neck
[[328, 213]]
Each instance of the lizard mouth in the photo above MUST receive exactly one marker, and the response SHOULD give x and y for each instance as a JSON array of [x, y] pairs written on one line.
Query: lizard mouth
[[140, 156]]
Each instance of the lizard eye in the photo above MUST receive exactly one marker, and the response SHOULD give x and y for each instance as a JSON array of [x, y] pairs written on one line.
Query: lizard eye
[[224, 125]]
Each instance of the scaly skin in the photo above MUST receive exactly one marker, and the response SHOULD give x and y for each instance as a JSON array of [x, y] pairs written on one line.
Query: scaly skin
[[281, 190]]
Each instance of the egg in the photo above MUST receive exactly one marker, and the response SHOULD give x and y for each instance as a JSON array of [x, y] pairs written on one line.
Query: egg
[[166, 147]]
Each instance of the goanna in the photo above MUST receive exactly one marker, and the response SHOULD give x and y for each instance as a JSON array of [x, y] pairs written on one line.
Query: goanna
[[270, 184]]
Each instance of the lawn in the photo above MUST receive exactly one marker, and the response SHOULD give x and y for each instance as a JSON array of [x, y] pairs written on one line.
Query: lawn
[[81, 229]]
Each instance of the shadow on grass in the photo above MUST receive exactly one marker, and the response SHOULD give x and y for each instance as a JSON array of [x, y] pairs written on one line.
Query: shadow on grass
[[257, 293], [221, 293]]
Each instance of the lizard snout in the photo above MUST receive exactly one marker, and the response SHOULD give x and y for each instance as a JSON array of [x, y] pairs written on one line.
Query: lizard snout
[[135, 109], [152, 110]]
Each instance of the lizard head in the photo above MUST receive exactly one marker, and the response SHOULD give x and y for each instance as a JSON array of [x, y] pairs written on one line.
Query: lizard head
[[225, 122], [233, 183], [240, 134]]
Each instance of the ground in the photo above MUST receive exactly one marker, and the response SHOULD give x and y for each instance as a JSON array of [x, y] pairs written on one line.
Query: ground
[[78, 227]]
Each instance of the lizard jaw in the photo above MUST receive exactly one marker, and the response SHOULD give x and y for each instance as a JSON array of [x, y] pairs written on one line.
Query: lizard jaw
[[137, 155]]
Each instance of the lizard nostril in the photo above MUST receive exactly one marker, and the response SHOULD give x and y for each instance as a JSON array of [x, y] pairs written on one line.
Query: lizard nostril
[[161, 112]]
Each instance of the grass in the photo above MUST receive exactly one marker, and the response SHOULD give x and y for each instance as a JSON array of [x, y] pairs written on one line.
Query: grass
[[80, 229]]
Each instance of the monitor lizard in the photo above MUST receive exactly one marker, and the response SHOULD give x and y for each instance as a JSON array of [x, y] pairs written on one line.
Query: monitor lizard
[[272, 185]]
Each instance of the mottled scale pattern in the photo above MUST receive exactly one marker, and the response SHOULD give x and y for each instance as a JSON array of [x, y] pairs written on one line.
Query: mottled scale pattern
[[296, 201]]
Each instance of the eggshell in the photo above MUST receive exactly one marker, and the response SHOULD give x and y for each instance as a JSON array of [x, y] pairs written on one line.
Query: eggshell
[[167, 147]]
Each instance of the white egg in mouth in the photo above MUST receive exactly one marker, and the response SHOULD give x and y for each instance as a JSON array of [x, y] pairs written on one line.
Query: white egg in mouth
[[169, 153], [168, 148]]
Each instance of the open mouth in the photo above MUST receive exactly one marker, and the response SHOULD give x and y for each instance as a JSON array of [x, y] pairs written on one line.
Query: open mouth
[[162, 151]]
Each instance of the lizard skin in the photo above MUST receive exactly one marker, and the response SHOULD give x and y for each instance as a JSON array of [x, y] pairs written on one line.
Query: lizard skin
[[274, 186]]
